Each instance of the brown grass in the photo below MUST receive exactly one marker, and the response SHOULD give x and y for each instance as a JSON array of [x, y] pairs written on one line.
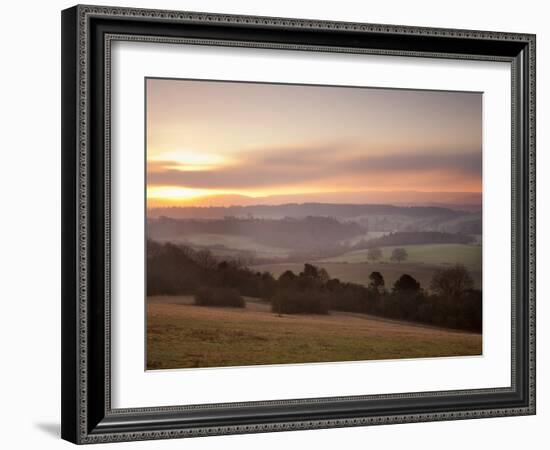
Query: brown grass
[[181, 335]]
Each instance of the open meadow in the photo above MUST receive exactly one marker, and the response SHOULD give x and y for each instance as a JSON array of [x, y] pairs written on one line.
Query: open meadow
[[444, 254], [183, 335], [422, 262]]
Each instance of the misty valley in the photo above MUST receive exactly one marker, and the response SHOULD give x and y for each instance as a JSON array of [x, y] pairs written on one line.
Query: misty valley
[[314, 282]]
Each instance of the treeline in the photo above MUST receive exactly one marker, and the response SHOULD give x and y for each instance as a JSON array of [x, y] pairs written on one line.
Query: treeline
[[452, 302], [415, 238], [305, 233], [179, 270]]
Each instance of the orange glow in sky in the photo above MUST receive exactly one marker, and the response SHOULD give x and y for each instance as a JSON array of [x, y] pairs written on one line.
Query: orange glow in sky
[[223, 143]]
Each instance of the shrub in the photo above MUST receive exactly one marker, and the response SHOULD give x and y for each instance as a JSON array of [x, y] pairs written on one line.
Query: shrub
[[300, 302], [215, 296]]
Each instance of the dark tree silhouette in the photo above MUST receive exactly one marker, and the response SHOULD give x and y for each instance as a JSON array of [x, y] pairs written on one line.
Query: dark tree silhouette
[[333, 284], [406, 283], [181, 270], [376, 281], [374, 254], [310, 271], [205, 259], [452, 283], [323, 275], [399, 254], [287, 279]]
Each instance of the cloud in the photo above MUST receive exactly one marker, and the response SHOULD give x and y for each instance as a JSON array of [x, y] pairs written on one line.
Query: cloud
[[318, 165], [467, 163]]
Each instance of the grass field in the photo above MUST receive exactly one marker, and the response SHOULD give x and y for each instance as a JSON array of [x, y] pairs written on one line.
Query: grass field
[[440, 254], [181, 335]]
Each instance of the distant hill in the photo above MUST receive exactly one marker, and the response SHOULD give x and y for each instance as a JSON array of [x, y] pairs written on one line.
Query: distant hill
[[372, 217], [305, 233], [300, 210], [452, 200]]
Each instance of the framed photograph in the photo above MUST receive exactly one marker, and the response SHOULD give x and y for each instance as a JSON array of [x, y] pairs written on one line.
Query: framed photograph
[[278, 224]]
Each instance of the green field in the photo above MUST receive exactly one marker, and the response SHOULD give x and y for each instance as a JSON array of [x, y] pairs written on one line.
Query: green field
[[182, 335], [422, 262], [438, 254]]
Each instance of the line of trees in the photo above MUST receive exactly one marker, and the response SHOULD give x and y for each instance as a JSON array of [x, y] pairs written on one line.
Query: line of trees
[[451, 300], [180, 270]]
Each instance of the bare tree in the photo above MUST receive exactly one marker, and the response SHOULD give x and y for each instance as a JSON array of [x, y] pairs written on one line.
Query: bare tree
[[205, 259], [399, 254], [374, 254], [452, 282]]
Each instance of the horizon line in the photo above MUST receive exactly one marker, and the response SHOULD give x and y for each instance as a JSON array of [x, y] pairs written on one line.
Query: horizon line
[[402, 205]]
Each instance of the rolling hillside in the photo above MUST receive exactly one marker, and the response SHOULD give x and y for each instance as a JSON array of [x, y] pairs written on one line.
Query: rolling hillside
[[181, 335]]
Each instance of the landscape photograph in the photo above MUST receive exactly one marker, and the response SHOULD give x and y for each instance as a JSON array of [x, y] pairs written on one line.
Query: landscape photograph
[[294, 224]]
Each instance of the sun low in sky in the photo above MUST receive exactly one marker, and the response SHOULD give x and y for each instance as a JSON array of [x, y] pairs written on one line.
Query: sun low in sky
[[212, 143]]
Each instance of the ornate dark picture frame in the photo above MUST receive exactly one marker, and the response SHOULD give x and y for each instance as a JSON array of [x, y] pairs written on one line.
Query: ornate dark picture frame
[[87, 34]]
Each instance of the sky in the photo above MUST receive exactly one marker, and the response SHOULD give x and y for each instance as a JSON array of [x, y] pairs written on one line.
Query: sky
[[212, 143]]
